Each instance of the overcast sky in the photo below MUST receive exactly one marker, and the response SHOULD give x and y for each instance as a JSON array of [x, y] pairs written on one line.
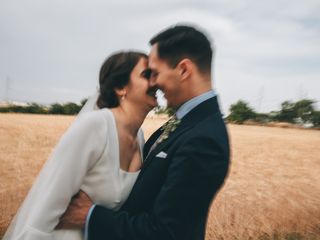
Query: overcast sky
[[266, 51]]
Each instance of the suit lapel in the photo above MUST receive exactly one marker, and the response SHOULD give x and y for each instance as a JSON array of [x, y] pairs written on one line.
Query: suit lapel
[[150, 142]]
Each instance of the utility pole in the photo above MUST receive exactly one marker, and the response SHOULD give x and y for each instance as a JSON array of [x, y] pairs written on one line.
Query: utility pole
[[6, 94], [301, 93], [260, 98]]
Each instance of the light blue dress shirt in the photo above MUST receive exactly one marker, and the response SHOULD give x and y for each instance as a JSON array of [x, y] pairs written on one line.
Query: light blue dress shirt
[[183, 110]]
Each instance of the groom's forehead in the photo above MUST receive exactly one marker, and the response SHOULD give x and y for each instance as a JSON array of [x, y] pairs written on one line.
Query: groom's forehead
[[153, 54], [154, 61]]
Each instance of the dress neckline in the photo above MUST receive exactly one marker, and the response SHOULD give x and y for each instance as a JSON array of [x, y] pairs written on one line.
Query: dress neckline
[[118, 145]]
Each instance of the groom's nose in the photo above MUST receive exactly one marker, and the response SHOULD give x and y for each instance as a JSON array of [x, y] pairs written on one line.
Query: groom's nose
[[152, 82]]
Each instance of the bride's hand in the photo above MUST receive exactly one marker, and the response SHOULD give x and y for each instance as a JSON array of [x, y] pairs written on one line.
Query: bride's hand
[[75, 215]]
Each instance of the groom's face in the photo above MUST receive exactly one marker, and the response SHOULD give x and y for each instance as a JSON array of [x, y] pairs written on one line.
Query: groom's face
[[165, 78]]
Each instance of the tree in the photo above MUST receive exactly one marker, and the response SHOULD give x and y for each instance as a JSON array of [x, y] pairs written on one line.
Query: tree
[[294, 112], [304, 109], [263, 117], [287, 113], [35, 108], [71, 108], [315, 118], [56, 108], [240, 112], [83, 102]]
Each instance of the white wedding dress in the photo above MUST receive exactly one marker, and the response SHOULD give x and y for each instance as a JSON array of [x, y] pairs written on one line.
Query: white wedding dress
[[86, 158]]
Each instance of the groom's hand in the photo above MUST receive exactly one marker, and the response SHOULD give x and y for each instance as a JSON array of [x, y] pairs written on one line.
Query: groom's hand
[[75, 215]]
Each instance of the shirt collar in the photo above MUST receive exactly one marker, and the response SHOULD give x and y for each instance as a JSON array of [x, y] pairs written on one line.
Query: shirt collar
[[185, 108]]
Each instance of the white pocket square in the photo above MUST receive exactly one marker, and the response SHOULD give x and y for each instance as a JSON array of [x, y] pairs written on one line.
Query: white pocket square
[[161, 155]]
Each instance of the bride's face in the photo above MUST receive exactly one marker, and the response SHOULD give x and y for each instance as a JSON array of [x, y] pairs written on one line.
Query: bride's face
[[138, 89]]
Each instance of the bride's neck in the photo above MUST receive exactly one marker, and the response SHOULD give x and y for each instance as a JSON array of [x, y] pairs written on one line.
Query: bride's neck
[[130, 118]]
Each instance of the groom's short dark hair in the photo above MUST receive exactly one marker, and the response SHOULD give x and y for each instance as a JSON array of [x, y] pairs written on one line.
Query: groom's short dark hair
[[179, 42]]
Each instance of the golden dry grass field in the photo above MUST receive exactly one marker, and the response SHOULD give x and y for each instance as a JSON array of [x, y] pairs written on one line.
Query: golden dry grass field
[[272, 191]]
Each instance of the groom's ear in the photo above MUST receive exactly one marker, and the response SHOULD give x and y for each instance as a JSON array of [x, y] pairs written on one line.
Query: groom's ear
[[185, 68]]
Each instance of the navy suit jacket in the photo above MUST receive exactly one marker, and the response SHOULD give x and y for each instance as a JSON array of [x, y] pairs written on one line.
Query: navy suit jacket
[[171, 197]]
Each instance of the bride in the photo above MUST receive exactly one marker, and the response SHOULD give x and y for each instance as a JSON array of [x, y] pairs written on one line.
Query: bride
[[100, 154]]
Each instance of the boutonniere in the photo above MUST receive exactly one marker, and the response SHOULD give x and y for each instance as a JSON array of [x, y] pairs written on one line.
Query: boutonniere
[[168, 128]]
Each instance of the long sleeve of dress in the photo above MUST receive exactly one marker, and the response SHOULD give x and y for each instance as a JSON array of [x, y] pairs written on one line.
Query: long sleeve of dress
[[77, 152]]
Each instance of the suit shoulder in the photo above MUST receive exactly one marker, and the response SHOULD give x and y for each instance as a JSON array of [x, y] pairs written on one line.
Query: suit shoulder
[[211, 125], [211, 130]]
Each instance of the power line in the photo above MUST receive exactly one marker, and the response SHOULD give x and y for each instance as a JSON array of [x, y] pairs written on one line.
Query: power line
[[260, 98]]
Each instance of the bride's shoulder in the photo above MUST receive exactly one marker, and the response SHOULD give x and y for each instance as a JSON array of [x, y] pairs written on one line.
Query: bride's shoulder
[[96, 117]]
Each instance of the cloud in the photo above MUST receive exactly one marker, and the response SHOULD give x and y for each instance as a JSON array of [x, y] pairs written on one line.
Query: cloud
[[60, 45]]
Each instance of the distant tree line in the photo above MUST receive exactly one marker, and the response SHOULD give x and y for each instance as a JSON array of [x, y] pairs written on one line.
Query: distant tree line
[[301, 112], [56, 108]]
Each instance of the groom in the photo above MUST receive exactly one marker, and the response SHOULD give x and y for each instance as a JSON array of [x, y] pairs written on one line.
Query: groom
[[183, 168]]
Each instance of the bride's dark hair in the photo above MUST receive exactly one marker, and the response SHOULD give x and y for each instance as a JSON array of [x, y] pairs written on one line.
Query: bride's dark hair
[[115, 74]]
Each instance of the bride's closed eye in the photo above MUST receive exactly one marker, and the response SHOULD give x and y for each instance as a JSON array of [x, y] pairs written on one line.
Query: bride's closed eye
[[146, 73]]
